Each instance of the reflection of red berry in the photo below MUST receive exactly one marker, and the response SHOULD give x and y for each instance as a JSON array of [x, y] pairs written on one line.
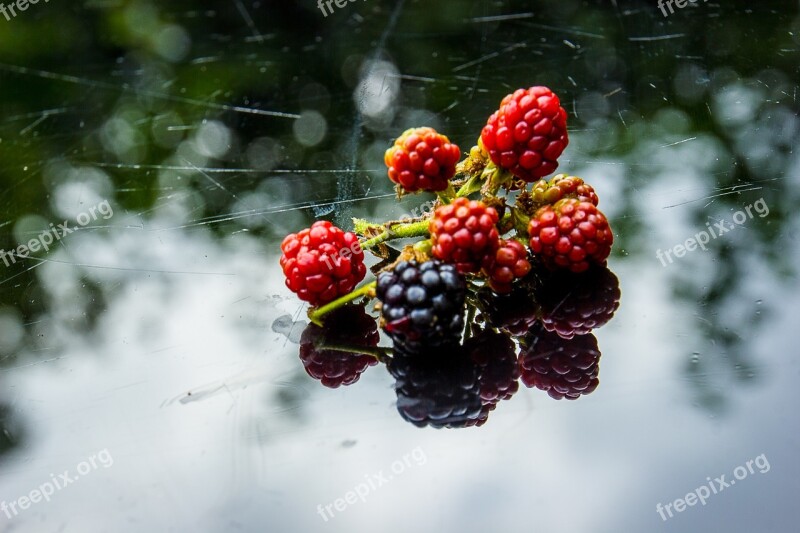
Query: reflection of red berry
[[514, 313], [528, 133], [563, 186], [495, 355], [346, 326], [562, 368], [575, 304], [570, 234], [464, 233], [422, 159], [322, 262], [508, 263]]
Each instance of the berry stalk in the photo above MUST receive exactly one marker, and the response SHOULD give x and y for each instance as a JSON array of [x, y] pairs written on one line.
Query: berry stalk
[[315, 315]]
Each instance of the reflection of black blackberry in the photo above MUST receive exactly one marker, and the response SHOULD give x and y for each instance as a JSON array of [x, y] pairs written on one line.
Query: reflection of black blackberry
[[347, 326], [437, 389], [423, 303], [564, 368], [496, 357]]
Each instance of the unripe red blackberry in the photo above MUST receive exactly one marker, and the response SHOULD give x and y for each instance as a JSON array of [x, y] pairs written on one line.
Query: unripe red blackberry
[[528, 133], [422, 159], [423, 304], [322, 263], [563, 186], [570, 234], [464, 233], [562, 368], [575, 304], [505, 265], [347, 326]]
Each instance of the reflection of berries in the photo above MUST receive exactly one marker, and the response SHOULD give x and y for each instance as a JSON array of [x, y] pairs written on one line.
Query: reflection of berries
[[346, 326], [495, 355], [422, 159], [464, 233], [563, 186], [322, 262], [515, 313], [528, 133], [563, 368], [438, 389], [423, 304], [570, 234], [508, 263], [575, 304]]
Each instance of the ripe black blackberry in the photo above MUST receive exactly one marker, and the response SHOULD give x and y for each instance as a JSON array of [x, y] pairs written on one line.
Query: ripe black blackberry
[[347, 326], [423, 303], [441, 389]]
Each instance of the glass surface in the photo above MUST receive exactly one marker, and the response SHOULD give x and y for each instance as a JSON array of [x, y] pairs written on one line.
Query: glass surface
[[149, 369]]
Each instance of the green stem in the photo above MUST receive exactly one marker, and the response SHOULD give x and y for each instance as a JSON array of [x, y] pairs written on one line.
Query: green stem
[[472, 185], [315, 315], [381, 354], [398, 231]]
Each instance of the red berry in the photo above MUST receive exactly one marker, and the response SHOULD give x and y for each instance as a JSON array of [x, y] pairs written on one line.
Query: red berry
[[562, 368], [322, 263], [563, 186], [422, 159], [528, 133], [508, 263], [464, 233], [570, 234]]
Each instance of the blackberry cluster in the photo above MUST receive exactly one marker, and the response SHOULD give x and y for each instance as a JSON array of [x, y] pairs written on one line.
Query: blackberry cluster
[[423, 303], [440, 389], [347, 326]]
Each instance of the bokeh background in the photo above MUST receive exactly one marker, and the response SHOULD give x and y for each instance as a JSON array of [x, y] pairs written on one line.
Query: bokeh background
[[215, 128]]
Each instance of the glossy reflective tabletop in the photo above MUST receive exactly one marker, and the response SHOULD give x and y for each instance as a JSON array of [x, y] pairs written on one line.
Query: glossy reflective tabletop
[[153, 155]]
